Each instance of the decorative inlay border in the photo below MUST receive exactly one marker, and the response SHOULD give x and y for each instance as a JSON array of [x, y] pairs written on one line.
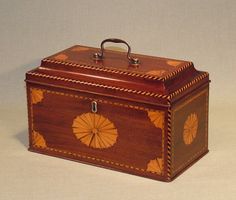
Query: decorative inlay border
[[119, 71], [169, 144], [90, 157], [151, 94], [193, 157], [95, 159], [174, 73], [202, 76], [98, 100]]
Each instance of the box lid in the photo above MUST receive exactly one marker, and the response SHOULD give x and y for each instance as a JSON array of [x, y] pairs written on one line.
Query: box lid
[[119, 74]]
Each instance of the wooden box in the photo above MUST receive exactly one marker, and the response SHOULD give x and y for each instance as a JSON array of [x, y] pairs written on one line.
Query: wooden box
[[138, 114]]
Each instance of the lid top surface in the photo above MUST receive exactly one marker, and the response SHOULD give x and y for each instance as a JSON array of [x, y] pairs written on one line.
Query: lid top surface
[[154, 78], [116, 62]]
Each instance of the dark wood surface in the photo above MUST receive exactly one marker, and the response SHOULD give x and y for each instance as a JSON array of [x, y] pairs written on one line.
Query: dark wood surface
[[115, 70], [138, 142], [64, 92], [195, 104]]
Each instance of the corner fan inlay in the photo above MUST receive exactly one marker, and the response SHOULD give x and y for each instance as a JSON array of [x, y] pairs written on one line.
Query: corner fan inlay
[[36, 95], [38, 140], [157, 118], [155, 165], [95, 130]]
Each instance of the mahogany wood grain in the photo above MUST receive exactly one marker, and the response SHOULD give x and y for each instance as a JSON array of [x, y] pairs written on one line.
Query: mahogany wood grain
[[151, 120]]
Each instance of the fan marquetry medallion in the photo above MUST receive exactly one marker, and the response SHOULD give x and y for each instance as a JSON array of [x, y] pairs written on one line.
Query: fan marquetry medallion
[[95, 130], [190, 128]]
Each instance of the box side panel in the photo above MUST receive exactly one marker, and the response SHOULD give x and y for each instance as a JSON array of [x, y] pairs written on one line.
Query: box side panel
[[119, 135], [28, 96], [189, 130]]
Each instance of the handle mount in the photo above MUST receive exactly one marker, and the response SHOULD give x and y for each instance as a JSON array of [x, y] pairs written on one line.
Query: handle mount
[[100, 56]]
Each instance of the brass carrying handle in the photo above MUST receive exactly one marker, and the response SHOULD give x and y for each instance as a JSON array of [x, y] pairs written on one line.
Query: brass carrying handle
[[100, 56]]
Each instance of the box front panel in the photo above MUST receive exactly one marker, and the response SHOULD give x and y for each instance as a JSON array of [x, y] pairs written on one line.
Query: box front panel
[[103, 131], [189, 130]]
